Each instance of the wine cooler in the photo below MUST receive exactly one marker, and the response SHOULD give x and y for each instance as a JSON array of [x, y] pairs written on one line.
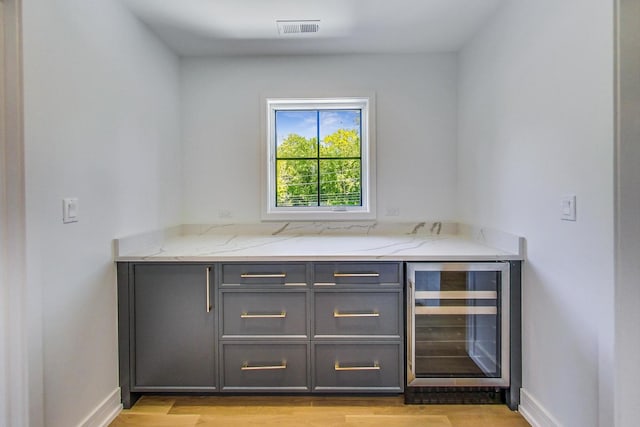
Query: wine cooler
[[458, 324]]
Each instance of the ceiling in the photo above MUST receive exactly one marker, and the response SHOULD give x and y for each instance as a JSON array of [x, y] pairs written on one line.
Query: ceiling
[[248, 27]]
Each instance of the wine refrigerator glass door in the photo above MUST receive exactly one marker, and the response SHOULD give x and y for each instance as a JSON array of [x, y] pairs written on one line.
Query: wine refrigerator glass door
[[458, 324]]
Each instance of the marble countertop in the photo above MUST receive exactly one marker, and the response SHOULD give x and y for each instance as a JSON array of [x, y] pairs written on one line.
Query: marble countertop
[[321, 241]]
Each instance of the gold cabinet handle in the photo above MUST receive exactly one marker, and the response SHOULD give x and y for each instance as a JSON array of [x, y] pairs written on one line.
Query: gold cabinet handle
[[263, 276], [375, 367], [281, 315], [208, 289], [337, 314], [246, 367], [356, 274]]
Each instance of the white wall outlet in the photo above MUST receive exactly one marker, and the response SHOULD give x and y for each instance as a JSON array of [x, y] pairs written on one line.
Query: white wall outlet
[[392, 212], [70, 210], [568, 208], [224, 213]]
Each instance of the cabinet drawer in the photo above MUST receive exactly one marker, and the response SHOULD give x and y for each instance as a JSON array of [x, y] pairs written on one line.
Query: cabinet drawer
[[264, 274], [357, 313], [264, 313], [357, 273], [358, 367], [254, 367]]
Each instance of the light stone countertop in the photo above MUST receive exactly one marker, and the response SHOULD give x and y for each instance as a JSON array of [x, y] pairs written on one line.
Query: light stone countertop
[[321, 241]]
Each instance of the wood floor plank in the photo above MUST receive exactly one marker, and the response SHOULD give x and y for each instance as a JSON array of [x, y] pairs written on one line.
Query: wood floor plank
[[284, 401], [153, 405], [309, 411], [152, 420], [397, 420], [515, 420], [326, 420], [221, 410]]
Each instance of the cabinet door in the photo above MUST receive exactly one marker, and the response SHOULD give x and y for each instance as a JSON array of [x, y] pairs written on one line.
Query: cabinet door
[[174, 328]]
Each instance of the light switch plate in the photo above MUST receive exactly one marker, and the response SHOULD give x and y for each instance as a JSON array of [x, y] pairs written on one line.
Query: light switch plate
[[70, 210], [568, 208]]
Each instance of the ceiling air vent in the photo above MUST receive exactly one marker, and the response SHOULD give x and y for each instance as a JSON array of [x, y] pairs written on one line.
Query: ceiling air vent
[[289, 28]]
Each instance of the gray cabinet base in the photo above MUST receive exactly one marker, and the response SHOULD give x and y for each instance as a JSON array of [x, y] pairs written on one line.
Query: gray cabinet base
[[322, 377]]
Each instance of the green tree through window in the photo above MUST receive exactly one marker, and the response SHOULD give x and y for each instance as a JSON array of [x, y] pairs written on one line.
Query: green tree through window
[[312, 174]]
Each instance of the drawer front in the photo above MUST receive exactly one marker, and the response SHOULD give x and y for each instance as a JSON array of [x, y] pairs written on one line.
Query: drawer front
[[357, 273], [358, 367], [254, 367], [264, 274], [357, 314], [264, 313]]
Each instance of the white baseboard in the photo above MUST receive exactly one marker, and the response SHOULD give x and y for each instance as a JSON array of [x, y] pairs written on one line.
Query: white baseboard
[[534, 412], [105, 412]]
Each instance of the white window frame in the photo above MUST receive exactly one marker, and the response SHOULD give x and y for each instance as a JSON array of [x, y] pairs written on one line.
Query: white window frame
[[367, 210]]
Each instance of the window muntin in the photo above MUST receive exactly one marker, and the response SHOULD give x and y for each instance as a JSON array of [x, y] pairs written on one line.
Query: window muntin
[[309, 173], [319, 159]]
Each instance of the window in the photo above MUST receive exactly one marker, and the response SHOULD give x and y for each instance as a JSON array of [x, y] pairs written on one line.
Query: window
[[319, 156]]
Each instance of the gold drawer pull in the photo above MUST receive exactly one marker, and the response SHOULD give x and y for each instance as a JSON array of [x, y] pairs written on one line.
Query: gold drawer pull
[[263, 276], [245, 367], [281, 315], [338, 314], [375, 367], [356, 274]]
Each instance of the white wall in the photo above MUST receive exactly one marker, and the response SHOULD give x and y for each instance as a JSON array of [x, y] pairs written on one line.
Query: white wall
[[13, 325], [536, 123], [101, 124], [416, 128], [628, 216]]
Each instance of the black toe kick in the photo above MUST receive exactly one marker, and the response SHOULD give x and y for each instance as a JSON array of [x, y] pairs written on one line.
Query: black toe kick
[[454, 395]]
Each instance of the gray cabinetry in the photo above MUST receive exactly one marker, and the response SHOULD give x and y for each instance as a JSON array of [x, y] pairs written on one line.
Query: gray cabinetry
[[357, 273], [357, 342], [265, 366], [167, 328], [357, 313], [264, 327], [260, 327], [262, 313], [265, 274], [362, 366]]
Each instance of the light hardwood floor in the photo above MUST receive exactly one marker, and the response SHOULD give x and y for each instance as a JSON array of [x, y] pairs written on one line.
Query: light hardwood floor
[[284, 411]]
